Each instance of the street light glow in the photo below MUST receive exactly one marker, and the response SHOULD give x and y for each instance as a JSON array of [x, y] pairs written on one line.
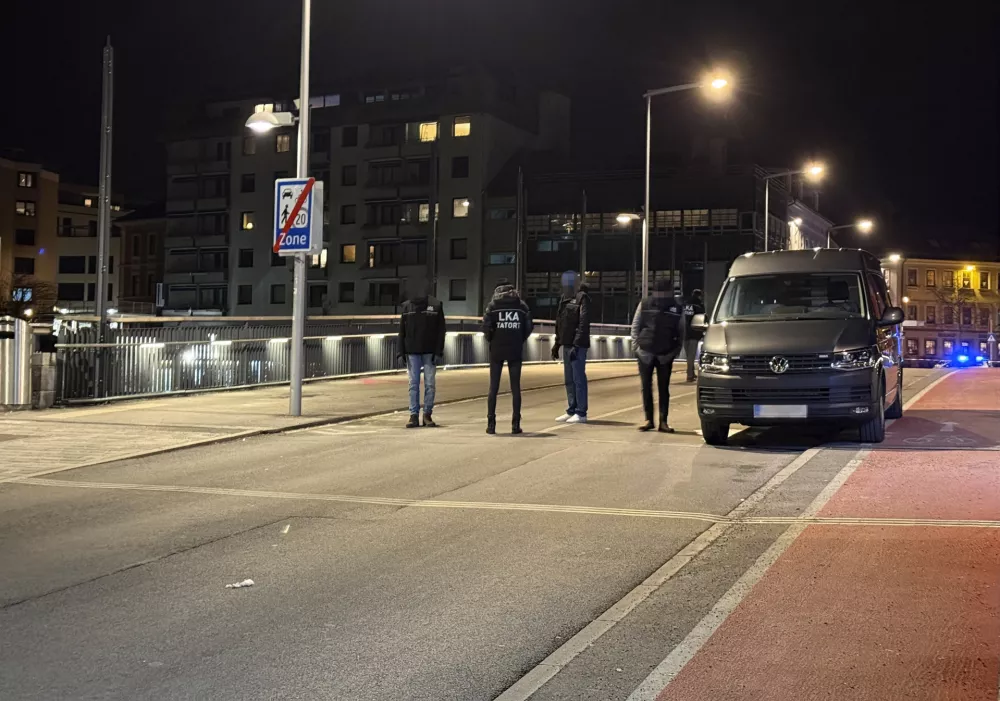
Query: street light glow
[[719, 83], [814, 171], [969, 268], [895, 258], [624, 218], [797, 221], [717, 86], [865, 225]]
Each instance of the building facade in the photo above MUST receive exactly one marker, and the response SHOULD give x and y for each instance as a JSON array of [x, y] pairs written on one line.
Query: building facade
[[29, 197], [952, 306], [405, 171], [143, 231], [76, 250]]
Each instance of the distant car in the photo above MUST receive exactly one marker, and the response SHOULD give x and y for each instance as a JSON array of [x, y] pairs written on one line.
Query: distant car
[[801, 337], [965, 361]]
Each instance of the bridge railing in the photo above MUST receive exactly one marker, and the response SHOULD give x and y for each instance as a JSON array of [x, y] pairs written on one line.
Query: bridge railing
[[154, 356]]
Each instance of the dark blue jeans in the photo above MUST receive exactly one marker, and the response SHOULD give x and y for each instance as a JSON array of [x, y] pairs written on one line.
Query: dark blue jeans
[[414, 365], [575, 377]]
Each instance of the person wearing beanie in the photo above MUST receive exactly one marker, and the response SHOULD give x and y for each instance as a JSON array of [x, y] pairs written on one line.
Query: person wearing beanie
[[657, 333], [506, 325], [573, 336], [421, 345]]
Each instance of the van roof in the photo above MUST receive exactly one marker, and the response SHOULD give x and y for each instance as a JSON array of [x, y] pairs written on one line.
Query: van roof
[[813, 260]]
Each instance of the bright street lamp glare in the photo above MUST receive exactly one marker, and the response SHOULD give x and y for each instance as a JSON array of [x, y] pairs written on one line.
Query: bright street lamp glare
[[797, 221], [719, 83], [623, 218], [815, 171], [260, 127], [865, 226], [894, 258]]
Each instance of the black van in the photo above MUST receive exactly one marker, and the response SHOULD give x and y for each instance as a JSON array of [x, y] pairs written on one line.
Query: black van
[[801, 336]]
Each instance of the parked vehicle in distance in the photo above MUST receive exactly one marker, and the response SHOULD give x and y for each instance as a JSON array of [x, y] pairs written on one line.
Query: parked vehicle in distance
[[799, 337]]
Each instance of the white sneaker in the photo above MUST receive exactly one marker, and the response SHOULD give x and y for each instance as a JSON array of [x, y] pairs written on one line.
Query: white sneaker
[[576, 419], [564, 418]]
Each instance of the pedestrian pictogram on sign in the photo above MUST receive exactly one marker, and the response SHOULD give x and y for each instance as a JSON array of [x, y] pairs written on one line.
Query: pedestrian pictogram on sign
[[296, 229], [992, 339]]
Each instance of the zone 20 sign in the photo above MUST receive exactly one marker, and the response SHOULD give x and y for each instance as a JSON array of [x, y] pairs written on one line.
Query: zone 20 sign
[[298, 216]]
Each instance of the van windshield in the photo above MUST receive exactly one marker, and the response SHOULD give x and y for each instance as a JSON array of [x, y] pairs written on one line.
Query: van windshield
[[788, 296]]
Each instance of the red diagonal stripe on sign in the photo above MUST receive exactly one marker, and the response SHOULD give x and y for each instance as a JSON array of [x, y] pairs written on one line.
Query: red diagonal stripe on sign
[[295, 212]]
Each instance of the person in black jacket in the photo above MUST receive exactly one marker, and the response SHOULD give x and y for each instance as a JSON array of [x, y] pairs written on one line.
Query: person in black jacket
[[506, 325], [657, 333], [421, 344], [695, 305], [573, 336]]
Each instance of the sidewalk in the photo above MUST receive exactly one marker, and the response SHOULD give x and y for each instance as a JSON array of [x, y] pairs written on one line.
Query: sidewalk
[[39, 442]]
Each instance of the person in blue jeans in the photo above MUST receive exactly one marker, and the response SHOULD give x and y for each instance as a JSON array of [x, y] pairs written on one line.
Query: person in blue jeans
[[421, 344], [573, 337]]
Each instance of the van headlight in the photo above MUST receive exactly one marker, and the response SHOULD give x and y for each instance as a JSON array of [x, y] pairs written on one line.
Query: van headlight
[[714, 363], [854, 360]]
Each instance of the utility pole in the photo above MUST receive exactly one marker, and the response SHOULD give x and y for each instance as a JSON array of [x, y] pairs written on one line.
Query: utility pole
[[296, 366], [583, 239], [519, 256], [104, 209]]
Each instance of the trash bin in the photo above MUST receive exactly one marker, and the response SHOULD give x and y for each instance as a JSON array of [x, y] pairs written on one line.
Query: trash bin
[[16, 346]]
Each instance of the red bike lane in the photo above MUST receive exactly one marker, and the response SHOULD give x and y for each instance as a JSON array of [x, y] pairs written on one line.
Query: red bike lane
[[877, 610]]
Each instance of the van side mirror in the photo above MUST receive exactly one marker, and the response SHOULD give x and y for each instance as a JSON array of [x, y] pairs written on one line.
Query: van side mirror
[[698, 322], [892, 317]]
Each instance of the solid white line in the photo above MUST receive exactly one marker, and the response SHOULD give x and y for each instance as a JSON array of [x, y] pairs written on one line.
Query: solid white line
[[920, 395], [668, 670], [551, 665]]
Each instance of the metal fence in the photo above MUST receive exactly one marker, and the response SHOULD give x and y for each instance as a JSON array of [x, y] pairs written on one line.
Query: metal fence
[[143, 357]]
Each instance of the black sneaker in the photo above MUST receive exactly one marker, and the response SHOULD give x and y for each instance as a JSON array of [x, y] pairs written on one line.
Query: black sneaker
[[414, 421], [491, 426], [428, 421], [648, 426], [515, 427]]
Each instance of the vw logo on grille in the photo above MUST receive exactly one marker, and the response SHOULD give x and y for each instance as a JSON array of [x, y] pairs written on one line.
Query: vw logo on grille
[[779, 365]]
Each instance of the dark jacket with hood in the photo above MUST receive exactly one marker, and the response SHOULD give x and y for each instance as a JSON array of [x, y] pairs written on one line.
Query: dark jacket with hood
[[658, 326], [573, 320], [421, 327], [507, 324]]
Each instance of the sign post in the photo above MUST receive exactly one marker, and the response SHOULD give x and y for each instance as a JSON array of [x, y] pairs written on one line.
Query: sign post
[[298, 232]]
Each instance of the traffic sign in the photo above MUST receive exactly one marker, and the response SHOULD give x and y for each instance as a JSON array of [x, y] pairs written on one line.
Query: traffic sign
[[298, 216], [992, 339]]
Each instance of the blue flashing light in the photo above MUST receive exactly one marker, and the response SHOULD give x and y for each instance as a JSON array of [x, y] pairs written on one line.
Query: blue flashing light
[[980, 358], [963, 358]]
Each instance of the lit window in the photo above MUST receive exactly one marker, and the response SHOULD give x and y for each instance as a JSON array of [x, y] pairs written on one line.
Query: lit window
[[283, 143], [348, 253], [947, 347], [460, 207], [463, 127], [966, 280], [22, 294], [984, 281], [25, 179], [911, 347], [695, 218], [428, 131], [26, 209], [318, 260], [424, 212], [930, 347], [931, 278], [116, 208], [247, 221], [949, 278], [87, 202]]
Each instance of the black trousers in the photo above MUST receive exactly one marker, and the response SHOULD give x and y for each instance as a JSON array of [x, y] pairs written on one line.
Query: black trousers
[[514, 370], [662, 364]]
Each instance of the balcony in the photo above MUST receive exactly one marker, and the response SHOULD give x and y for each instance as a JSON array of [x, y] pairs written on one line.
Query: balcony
[[212, 204], [175, 206], [206, 277]]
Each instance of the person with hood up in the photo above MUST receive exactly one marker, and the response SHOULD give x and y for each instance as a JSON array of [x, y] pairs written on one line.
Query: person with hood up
[[657, 333], [573, 336], [506, 325], [421, 345], [695, 305]]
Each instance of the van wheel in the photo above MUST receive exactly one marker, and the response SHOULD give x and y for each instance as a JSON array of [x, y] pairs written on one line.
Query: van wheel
[[873, 431], [895, 410], [715, 432]]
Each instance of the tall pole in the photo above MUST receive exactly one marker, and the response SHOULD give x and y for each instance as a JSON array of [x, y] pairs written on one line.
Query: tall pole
[[432, 255], [301, 171], [519, 234], [767, 208], [583, 239], [104, 206], [645, 209]]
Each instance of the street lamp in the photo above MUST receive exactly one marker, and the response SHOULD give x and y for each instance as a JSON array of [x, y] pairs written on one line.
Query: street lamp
[[262, 122], [716, 86], [812, 171], [865, 226]]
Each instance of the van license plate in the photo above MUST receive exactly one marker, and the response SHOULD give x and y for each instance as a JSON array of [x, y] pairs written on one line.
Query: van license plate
[[780, 411]]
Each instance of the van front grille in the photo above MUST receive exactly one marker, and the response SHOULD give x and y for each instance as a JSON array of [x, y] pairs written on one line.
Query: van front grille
[[781, 395], [761, 364]]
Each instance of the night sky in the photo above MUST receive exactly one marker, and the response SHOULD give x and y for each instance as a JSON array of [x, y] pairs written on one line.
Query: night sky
[[901, 104]]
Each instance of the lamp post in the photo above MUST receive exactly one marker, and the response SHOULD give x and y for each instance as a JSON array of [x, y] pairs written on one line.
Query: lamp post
[[625, 219], [263, 122], [716, 85], [813, 171], [865, 226]]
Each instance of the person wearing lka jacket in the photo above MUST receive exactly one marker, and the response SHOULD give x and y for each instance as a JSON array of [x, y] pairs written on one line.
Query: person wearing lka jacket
[[421, 345], [657, 334], [573, 336], [695, 305], [506, 325]]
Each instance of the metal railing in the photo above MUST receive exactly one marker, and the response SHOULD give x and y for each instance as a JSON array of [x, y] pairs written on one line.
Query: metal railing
[[154, 357]]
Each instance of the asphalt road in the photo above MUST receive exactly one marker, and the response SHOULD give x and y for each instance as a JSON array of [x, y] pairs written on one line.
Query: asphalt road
[[390, 563]]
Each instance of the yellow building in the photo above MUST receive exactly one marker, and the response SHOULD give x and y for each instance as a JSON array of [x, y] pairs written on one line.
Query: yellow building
[[952, 306]]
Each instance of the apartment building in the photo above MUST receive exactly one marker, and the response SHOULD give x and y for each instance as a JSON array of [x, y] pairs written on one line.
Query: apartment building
[[952, 306], [143, 232], [76, 250], [405, 169], [28, 211]]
